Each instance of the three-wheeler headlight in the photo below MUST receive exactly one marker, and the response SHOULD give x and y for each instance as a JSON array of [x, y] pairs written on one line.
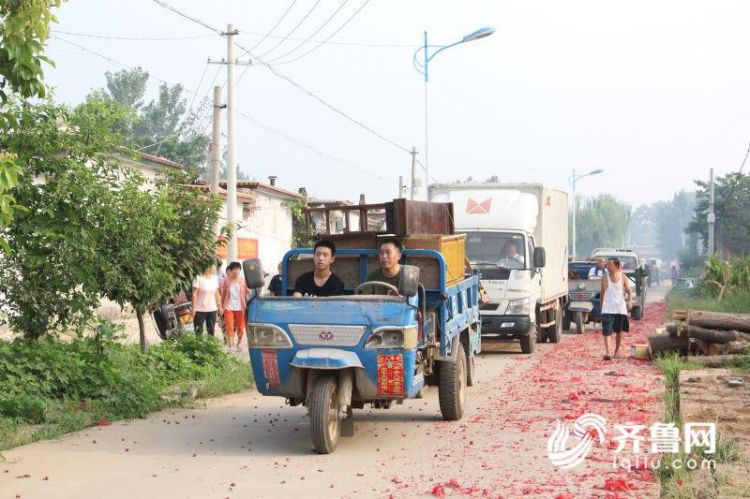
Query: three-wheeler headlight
[[267, 336], [393, 337]]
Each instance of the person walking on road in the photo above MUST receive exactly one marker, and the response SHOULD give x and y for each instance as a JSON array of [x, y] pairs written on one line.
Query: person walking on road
[[233, 292], [617, 301], [206, 301]]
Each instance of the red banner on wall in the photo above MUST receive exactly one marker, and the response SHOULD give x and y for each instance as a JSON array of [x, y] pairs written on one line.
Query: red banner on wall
[[246, 248]]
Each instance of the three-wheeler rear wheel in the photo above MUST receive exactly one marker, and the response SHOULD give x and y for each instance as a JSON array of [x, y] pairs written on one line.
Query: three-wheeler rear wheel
[[325, 426], [452, 386]]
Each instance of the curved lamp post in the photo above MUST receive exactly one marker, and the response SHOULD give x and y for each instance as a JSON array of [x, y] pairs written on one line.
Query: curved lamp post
[[423, 68], [574, 178]]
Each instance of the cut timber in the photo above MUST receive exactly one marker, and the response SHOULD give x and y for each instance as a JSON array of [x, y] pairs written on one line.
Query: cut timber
[[715, 360], [735, 347], [663, 343], [719, 320], [674, 329], [711, 335]]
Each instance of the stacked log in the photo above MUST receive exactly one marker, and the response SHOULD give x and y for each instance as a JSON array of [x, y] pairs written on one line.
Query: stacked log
[[717, 337]]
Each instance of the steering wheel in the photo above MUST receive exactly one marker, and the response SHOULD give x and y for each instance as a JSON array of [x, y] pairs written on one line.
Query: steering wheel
[[389, 287]]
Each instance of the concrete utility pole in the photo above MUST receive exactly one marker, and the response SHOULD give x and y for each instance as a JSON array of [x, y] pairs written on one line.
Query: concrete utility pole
[[213, 172], [711, 216], [231, 145], [401, 186], [413, 173]]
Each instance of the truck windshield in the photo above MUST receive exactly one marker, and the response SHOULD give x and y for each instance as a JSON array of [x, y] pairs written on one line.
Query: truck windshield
[[501, 249], [629, 263]]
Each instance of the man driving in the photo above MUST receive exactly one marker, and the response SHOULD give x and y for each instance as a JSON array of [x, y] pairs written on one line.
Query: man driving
[[599, 270], [511, 259], [390, 268]]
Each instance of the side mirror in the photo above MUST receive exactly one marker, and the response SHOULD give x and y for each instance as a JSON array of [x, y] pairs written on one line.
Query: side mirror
[[540, 258], [408, 283], [253, 271]]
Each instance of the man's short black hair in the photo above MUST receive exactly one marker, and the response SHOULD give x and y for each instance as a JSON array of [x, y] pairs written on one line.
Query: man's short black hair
[[234, 265], [615, 260], [394, 241], [325, 243]]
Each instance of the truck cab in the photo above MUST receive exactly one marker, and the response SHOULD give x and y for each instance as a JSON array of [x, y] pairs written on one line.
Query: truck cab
[[516, 237]]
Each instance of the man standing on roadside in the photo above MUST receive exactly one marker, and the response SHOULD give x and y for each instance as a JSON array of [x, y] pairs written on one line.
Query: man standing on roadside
[[614, 291], [599, 270], [390, 268], [320, 282]]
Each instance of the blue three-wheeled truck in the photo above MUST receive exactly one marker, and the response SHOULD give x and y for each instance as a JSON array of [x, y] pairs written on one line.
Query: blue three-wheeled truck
[[338, 353]]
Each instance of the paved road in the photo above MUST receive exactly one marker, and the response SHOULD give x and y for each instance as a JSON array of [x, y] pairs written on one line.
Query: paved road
[[246, 445]]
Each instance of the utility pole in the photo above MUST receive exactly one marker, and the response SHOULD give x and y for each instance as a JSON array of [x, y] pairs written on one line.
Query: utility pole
[[711, 216], [575, 208], [213, 172], [401, 186], [231, 145], [413, 173]]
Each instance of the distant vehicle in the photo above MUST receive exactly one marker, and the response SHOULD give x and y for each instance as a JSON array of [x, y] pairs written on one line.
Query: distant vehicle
[[527, 285], [584, 297], [635, 269]]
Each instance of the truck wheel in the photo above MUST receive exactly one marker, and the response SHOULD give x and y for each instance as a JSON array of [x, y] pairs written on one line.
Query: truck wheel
[[325, 426], [554, 333], [528, 342], [637, 313], [580, 326], [452, 388]]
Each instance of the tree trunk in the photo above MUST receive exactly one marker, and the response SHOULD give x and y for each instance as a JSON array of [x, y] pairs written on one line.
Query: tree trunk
[[142, 331], [711, 335], [715, 360], [664, 343], [674, 329], [719, 320]]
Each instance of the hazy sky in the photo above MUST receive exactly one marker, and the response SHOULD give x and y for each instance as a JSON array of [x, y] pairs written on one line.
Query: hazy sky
[[653, 92]]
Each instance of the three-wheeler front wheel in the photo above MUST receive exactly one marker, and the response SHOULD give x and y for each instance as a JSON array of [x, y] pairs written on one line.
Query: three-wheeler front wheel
[[452, 386], [325, 426]]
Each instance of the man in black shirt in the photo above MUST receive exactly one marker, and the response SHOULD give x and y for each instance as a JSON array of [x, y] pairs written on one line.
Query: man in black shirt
[[321, 281]]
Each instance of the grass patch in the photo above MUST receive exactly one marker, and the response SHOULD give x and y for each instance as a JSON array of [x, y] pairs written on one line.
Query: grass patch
[[696, 298], [52, 387]]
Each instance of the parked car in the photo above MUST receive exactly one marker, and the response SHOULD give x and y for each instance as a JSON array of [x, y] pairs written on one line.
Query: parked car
[[584, 301]]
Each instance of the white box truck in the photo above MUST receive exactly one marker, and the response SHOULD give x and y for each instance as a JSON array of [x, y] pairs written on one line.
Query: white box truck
[[517, 237]]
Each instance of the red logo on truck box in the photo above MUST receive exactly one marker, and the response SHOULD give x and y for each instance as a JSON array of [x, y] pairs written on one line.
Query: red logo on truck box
[[475, 208]]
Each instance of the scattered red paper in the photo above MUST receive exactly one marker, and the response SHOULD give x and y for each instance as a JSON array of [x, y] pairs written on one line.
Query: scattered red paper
[[104, 422], [618, 485]]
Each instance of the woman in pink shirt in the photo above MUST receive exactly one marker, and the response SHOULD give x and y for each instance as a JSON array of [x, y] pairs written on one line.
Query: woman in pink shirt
[[233, 293], [206, 301]]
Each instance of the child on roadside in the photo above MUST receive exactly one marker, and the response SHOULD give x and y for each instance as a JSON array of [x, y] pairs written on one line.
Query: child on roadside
[[234, 293]]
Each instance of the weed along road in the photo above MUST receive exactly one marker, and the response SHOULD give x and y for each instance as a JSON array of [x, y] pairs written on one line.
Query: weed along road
[[246, 445]]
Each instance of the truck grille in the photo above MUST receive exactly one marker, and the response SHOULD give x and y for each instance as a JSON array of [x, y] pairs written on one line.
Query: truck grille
[[582, 295], [321, 335]]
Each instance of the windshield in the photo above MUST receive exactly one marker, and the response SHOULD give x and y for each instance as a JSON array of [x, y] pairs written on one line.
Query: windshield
[[501, 249], [628, 262]]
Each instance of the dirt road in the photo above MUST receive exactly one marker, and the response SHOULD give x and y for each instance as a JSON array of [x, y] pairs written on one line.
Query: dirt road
[[250, 446]]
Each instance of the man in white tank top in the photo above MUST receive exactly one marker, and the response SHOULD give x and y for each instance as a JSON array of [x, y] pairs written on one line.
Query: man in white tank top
[[617, 301]]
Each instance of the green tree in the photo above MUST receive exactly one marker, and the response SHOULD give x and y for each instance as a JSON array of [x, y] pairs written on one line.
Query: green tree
[[161, 239], [93, 227], [600, 222], [24, 28], [47, 276], [165, 126], [732, 209]]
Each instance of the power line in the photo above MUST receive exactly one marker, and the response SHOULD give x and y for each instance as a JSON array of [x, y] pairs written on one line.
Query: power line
[[303, 42], [320, 44], [315, 5], [132, 38], [283, 16], [267, 128], [276, 73]]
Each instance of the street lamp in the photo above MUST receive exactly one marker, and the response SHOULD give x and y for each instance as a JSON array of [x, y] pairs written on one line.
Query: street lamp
[[574, 179], [423, 68]]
